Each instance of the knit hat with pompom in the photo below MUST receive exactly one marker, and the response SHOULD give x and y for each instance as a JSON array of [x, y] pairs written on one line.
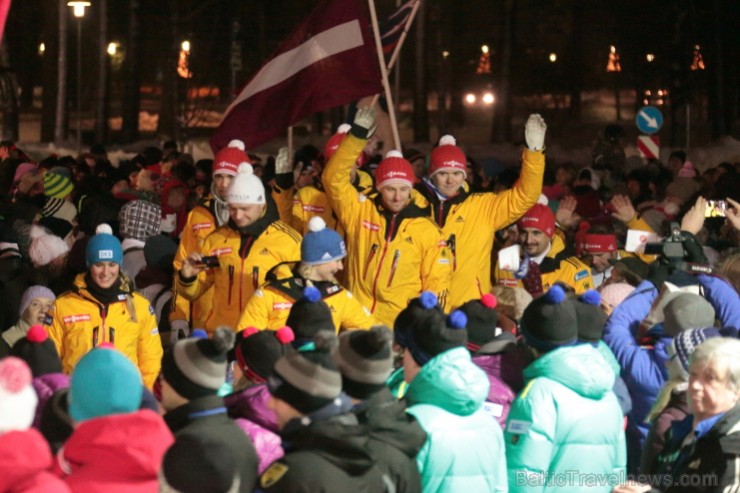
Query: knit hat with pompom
[[321, 244], [257, 351], [482, 321], [246, 187], [365, 359], [394, 169], [550, 321], [447, 157], [227, 160], [308, 316], [103, 247], [17, 397]]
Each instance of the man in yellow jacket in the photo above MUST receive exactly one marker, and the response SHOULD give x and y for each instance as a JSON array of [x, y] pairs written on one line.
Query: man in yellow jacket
[[546, 260], [203, 220], [468, 220], [395, 250], [252, 242]]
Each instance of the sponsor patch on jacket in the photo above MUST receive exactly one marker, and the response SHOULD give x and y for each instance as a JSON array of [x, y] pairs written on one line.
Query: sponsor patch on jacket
[[370, 226], [518, 427], [199, 226], [121, 297], [313, 208], [581, 274], [442, 244], [283, 305], [495, 410], [154, 331], [221, 251], [273, 474], [443, 261], [72, 319], [512, 283]]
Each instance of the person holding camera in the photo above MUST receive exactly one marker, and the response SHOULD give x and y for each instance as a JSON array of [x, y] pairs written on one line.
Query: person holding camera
[[252, 242]]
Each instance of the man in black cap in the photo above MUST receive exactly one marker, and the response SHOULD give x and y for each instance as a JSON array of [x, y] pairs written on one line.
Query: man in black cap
[[325, 448], [365, 359], [192, 373]]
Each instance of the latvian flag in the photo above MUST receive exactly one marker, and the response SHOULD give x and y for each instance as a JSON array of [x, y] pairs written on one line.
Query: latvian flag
[[392, 27]]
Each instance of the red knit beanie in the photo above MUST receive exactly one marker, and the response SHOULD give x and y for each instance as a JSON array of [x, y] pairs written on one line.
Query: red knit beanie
[[227, 160], [394, 169], [539, 217], [447, 157]]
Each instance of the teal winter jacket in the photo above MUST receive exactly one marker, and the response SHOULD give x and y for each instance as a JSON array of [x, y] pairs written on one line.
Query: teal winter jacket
[[565, 429], [464, 451]]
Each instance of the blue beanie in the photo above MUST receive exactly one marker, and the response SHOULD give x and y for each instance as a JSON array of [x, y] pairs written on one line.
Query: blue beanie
[[104, 382], [321, 244], [103, 247]]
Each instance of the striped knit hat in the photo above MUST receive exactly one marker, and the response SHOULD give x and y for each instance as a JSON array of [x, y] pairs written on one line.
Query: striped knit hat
[[686, 342], [56, 185]]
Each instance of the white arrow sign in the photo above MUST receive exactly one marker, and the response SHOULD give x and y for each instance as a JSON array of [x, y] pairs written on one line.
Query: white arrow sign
[[652, 122]]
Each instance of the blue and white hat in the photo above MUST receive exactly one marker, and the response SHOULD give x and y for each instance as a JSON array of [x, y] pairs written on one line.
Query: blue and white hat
[[321, 244], [103, 247]]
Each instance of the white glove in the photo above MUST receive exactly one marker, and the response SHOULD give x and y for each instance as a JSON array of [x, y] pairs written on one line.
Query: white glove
[[363, 125], [282, 162], [177, 326], [534, 132]]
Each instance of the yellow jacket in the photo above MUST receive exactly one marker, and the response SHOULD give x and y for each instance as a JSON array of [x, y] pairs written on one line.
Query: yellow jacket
[[243, 267], [469, 222], [270, 306], [201, 222], [312, 201], [79, 322], [392, 258], [557, 266]]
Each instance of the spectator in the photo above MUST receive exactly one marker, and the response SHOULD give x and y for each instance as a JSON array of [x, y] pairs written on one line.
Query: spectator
[[138, 221], [446, 394], [103, 307], [34, 309], [193, 371]]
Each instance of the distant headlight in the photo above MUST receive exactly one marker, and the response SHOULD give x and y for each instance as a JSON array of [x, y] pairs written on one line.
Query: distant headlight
[[488, 98], [470, 98]]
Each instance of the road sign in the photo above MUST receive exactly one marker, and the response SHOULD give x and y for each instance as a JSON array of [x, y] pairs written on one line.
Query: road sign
[[649, 120], [649, 146]]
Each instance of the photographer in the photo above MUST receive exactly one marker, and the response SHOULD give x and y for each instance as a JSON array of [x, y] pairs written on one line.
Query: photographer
[[643, 361]]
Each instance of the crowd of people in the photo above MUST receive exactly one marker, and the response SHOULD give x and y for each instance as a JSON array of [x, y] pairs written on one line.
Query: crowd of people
[[338, 321]]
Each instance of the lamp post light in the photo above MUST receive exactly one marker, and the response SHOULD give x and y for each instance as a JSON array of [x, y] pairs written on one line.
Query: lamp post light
[[78, 10]]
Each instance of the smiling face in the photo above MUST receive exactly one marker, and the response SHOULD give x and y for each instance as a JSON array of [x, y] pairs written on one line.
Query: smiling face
[[534, 241], [104, 274], [395, 196], [245, 214], [448, 182]]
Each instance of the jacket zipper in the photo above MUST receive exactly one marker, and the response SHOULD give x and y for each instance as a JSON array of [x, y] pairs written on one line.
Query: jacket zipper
[[380, 262], [451, 243], [373, 250], [440, 213], [243, 255], [103, 315], [231, 281], [394, 266]]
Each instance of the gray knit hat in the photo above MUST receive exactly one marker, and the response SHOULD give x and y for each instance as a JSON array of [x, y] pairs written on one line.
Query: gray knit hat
[[197, 367], [365, 359], [308, 379], [687, 311]]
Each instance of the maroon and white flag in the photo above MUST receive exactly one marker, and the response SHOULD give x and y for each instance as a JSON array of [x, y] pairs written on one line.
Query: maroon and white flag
[[329, 60]]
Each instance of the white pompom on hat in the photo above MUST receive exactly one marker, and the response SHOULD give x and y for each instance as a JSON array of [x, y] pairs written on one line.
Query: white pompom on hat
[[45, 248], [321, 244], [246, 187], [17, 398], [447, 157], [394, 169]]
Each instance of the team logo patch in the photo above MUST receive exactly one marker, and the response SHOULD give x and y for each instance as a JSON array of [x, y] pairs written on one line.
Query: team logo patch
[[582, 274], [284, 305], [221, 251], [459, 219], [105, 254], [273, 474], [518, 427], [313, 208], [409, 240], [326, 256], [508, 282], [200, 226], [443, 261], [333, 289], [71, 319], [265, 251], [371, 226]]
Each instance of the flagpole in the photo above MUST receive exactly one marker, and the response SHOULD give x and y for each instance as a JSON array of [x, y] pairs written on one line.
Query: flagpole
[[384, 73], [290, 143], [404, 34]]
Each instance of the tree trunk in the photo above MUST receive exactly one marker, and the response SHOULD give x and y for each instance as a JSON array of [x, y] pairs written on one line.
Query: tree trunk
[[101, 109], [421, 112], [132, 86]]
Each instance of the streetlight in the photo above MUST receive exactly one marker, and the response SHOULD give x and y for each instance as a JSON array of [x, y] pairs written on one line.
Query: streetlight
[[78, 10], [649, 57], [112, 48], [553, 57]]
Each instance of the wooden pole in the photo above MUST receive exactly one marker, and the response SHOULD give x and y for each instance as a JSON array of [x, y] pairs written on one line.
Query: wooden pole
[[384, 73]]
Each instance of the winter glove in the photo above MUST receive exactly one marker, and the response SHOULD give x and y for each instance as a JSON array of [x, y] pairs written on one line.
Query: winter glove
[[363, 126], [282, 162], [534, 132], [177, 327]]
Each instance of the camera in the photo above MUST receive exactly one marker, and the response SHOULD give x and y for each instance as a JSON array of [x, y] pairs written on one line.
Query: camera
[[671, 248], [209, 261], [673, 253]]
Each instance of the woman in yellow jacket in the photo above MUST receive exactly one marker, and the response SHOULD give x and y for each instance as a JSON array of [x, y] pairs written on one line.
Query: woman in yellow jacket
[[103, 308], [253, 242], [322, 251]]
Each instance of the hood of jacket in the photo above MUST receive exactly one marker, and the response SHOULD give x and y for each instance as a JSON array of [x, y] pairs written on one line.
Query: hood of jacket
[[129, 445], [389, 423], [251, 404], [450, 381], [340, 440], [580, 368], [23, 454]]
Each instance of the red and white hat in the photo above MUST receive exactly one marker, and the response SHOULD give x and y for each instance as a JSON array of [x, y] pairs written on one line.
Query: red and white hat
[[332, 144], [228, 159], [394, 169], [17, 398], [447, 157], [599, 243], [539, 217]]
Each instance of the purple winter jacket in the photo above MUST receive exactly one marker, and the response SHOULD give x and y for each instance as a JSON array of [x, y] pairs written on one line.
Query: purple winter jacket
[[45, 386], [248, 408], [504, 371]]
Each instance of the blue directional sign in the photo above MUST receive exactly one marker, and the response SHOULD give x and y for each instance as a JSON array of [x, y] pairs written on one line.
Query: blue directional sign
[[649, 120]]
